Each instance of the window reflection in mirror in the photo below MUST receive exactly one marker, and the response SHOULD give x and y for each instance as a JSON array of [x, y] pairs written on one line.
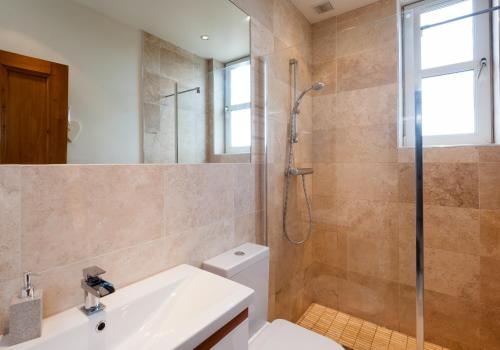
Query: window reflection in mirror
[[144, 84]]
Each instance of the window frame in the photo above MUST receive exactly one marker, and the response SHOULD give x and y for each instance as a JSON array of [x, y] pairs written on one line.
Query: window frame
[[413, 75], [228, 108]]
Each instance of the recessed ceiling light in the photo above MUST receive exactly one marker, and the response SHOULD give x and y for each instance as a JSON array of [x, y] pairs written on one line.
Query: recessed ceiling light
[[204, 37], [248, 18]]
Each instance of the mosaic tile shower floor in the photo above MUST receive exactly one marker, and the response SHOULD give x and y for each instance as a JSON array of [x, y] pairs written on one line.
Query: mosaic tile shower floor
[[355, 333]]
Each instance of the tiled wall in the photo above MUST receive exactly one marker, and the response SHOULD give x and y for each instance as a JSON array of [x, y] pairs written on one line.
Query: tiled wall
[[133, 221], [363, 243], [164, 65], [137, 220], [283, 33]]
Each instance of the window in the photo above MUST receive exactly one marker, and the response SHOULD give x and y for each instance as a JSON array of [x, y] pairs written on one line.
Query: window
[[450, 63], [237, 107]]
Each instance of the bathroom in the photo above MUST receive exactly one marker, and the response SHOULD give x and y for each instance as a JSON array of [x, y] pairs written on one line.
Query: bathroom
[[337, 199]]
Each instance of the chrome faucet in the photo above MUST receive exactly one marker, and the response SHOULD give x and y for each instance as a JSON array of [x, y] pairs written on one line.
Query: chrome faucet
[[95, 288]]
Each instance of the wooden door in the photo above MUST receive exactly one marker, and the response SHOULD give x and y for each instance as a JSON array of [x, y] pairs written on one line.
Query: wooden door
[[33, 110]]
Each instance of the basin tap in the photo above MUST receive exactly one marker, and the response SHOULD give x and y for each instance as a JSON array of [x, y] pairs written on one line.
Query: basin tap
[[95, 288]]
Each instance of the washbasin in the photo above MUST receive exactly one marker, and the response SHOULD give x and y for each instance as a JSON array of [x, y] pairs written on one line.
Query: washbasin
[[176, 309]]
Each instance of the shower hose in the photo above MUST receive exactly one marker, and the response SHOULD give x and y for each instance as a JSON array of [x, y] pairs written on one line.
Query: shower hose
[[288, 176]]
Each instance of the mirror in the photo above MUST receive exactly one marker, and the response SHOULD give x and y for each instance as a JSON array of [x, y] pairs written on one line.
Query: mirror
[[124, 82]]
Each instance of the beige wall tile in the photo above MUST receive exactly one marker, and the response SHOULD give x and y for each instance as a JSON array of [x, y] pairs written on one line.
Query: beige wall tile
[[366, 36], [54, 217], [489, 190], [290, 26], [262, 10], [324, 112], [323, 283], [449, 321], [372, 12], [262, 39], [371, 255], [490, 326], [367, 69], [88, 206], [367, 107], [189, 193], [446, 184], [8, 289], [454, 274], [151, 53], [326, 72], [372, 144], [448, 228], [489, 154], [10, 223], [324, 41], [370, 298], [115, 218], [451, 155], [351, 181], [328, 239], [490, 282], [490, 233]]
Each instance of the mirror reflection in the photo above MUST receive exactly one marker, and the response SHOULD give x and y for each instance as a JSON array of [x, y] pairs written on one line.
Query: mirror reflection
[[124, 82]]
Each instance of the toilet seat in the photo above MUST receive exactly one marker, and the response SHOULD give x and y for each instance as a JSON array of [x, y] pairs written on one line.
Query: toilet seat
[[281, 334]]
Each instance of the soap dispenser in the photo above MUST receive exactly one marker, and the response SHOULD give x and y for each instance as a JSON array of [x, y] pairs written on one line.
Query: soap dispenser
[[25, 313]]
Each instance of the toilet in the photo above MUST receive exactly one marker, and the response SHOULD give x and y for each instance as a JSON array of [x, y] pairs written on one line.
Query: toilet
[[248, 264]]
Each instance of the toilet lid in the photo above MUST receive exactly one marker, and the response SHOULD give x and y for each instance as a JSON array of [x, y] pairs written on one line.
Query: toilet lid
[[281, 334]]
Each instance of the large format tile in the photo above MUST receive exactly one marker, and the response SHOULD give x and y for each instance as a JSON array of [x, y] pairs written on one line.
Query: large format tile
[[490, 327], [490, 282], [445, 184], [489, 154], [449, 321], [324, 41], [54, 230], [448, 228], [367, 217], [490, 233], [375, 11], [489, 189], [326, 72], [190, 191], [367, 107], [72, 213], [372, 144], [10, 223], [330, 246], [324, 112], [450, 273], [262, 10], [289, 25], [365, 181], [366, 36], [357, 181], [124, 206], [367, 69], [371, 255], [370, 298], [8, 289]]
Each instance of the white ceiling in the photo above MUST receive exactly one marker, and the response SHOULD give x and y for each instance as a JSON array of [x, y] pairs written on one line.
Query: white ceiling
[[183, 22], [339, 7]]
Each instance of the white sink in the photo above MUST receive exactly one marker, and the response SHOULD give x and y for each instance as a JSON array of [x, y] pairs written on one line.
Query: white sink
[[176, 309]]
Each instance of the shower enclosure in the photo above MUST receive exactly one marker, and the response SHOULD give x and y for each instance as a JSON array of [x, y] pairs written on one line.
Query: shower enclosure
[[379, 206]]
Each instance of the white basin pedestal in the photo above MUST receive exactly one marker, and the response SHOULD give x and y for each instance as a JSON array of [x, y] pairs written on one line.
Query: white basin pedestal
[[182, 308]]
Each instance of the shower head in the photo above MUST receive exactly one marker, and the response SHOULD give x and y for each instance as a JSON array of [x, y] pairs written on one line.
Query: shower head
[[318, 86]]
